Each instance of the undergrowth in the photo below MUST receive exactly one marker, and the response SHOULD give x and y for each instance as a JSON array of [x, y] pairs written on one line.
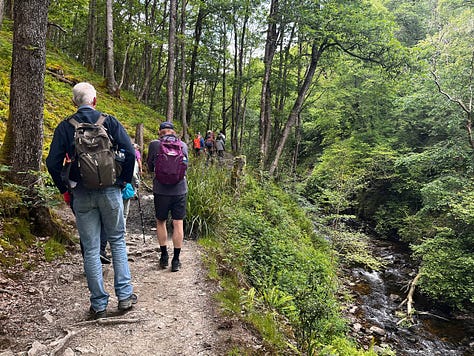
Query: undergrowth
[[276, 273]]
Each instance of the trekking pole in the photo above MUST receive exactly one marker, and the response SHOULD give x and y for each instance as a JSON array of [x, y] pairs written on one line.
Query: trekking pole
[[141, 213]]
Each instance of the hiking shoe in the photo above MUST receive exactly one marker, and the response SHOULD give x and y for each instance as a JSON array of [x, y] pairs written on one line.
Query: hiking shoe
[[164, 261], [97, 314], [104, 259], [127, 303], [175, 265]]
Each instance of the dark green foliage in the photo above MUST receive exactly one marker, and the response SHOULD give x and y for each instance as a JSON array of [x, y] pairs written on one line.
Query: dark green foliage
[[447, 267]]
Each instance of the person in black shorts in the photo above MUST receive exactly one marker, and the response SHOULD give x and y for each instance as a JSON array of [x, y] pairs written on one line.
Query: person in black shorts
[[168, 198]]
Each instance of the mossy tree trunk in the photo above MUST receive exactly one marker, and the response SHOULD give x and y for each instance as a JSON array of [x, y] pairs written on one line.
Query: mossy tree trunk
[[23, 144]]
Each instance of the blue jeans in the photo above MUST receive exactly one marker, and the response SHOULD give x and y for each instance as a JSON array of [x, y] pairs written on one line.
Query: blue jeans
[[96, 211]]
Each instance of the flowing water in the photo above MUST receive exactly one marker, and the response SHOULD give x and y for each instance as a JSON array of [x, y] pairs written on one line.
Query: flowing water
[[379, 295]]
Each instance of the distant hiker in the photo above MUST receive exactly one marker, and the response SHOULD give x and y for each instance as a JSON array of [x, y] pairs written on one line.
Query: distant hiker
[[138, 158], [197, 144], [169, 190], [220, 147], [210, 143], [203, 144], [222, 136], [97, 200]]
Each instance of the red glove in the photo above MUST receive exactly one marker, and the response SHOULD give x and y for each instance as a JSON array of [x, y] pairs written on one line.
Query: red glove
[[67, 198]]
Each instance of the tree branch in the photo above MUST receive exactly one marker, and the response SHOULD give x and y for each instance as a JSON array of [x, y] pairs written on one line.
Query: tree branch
[[450, 98]]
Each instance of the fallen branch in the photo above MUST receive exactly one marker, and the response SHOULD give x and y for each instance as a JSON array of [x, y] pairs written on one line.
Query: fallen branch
[[60, 77], [144, 252], [109, 321], [433, 315]]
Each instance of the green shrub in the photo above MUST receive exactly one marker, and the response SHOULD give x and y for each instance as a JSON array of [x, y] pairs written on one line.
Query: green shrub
[[446, 269]]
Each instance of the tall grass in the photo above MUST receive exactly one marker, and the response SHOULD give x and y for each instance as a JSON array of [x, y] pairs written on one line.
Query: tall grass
[[209, 196]]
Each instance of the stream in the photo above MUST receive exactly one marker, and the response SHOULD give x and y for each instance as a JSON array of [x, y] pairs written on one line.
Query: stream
[[378, 296]]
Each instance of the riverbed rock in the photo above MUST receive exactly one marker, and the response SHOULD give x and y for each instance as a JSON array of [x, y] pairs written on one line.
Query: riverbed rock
[[37, 349], [357, 327], [377, 330], [394, 297]]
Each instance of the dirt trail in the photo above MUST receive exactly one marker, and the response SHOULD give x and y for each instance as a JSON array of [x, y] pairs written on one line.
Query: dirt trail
[[46, 312]]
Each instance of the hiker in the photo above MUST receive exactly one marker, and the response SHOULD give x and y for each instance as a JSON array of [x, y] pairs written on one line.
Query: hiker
[[104, 258], [197, 144], [138, 158], [222, 136], [202, 144], [97, 210], [220, 147], [168, 197], [210, 143], [129, 191]]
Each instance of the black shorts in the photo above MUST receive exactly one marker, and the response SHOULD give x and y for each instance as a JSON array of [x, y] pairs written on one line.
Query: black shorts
[[166, 203]]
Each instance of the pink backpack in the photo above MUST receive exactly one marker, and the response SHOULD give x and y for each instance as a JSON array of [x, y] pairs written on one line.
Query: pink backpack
[[170, 162]]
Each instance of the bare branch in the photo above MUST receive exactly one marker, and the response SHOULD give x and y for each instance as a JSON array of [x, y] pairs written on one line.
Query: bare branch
[[450, 98]]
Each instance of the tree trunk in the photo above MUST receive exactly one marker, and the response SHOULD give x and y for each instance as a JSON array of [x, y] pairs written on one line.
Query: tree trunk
[[237, 109], [192, 67], [23, 144], [183, 72], [24, 138], [112, 86], [91, 36], [223, 46], [316, 52], [147, 58], [171, 61], [265, 97], [139, 136], [8, 9]]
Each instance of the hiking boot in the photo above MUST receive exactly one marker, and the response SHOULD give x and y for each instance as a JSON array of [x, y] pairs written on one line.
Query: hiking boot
[[175, 265], [164, 261], [104, 259], [127, 303], [97, 314]]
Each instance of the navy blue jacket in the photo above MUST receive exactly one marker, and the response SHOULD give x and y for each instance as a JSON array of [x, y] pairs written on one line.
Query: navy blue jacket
[[63, 142]]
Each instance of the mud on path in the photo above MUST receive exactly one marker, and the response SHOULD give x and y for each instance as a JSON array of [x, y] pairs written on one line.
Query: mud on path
[[46, 312]]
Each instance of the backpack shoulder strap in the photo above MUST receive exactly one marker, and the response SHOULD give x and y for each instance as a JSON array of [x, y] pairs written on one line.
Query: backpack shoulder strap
[[73, 122], [101, 119]]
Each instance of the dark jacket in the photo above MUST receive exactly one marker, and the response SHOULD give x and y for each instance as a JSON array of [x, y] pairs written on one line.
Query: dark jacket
[[63, 143], [179, 188]]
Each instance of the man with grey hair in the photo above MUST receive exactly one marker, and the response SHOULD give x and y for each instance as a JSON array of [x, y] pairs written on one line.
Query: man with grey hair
[[98, 211]]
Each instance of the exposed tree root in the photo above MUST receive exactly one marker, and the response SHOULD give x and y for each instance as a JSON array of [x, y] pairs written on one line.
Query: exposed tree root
[[59, 344], [7, 291]]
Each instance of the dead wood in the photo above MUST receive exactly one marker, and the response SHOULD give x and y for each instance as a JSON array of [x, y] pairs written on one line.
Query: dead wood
[[110, 321]]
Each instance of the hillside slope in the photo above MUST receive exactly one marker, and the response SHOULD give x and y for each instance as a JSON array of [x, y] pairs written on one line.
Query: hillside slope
[[62, 73]]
